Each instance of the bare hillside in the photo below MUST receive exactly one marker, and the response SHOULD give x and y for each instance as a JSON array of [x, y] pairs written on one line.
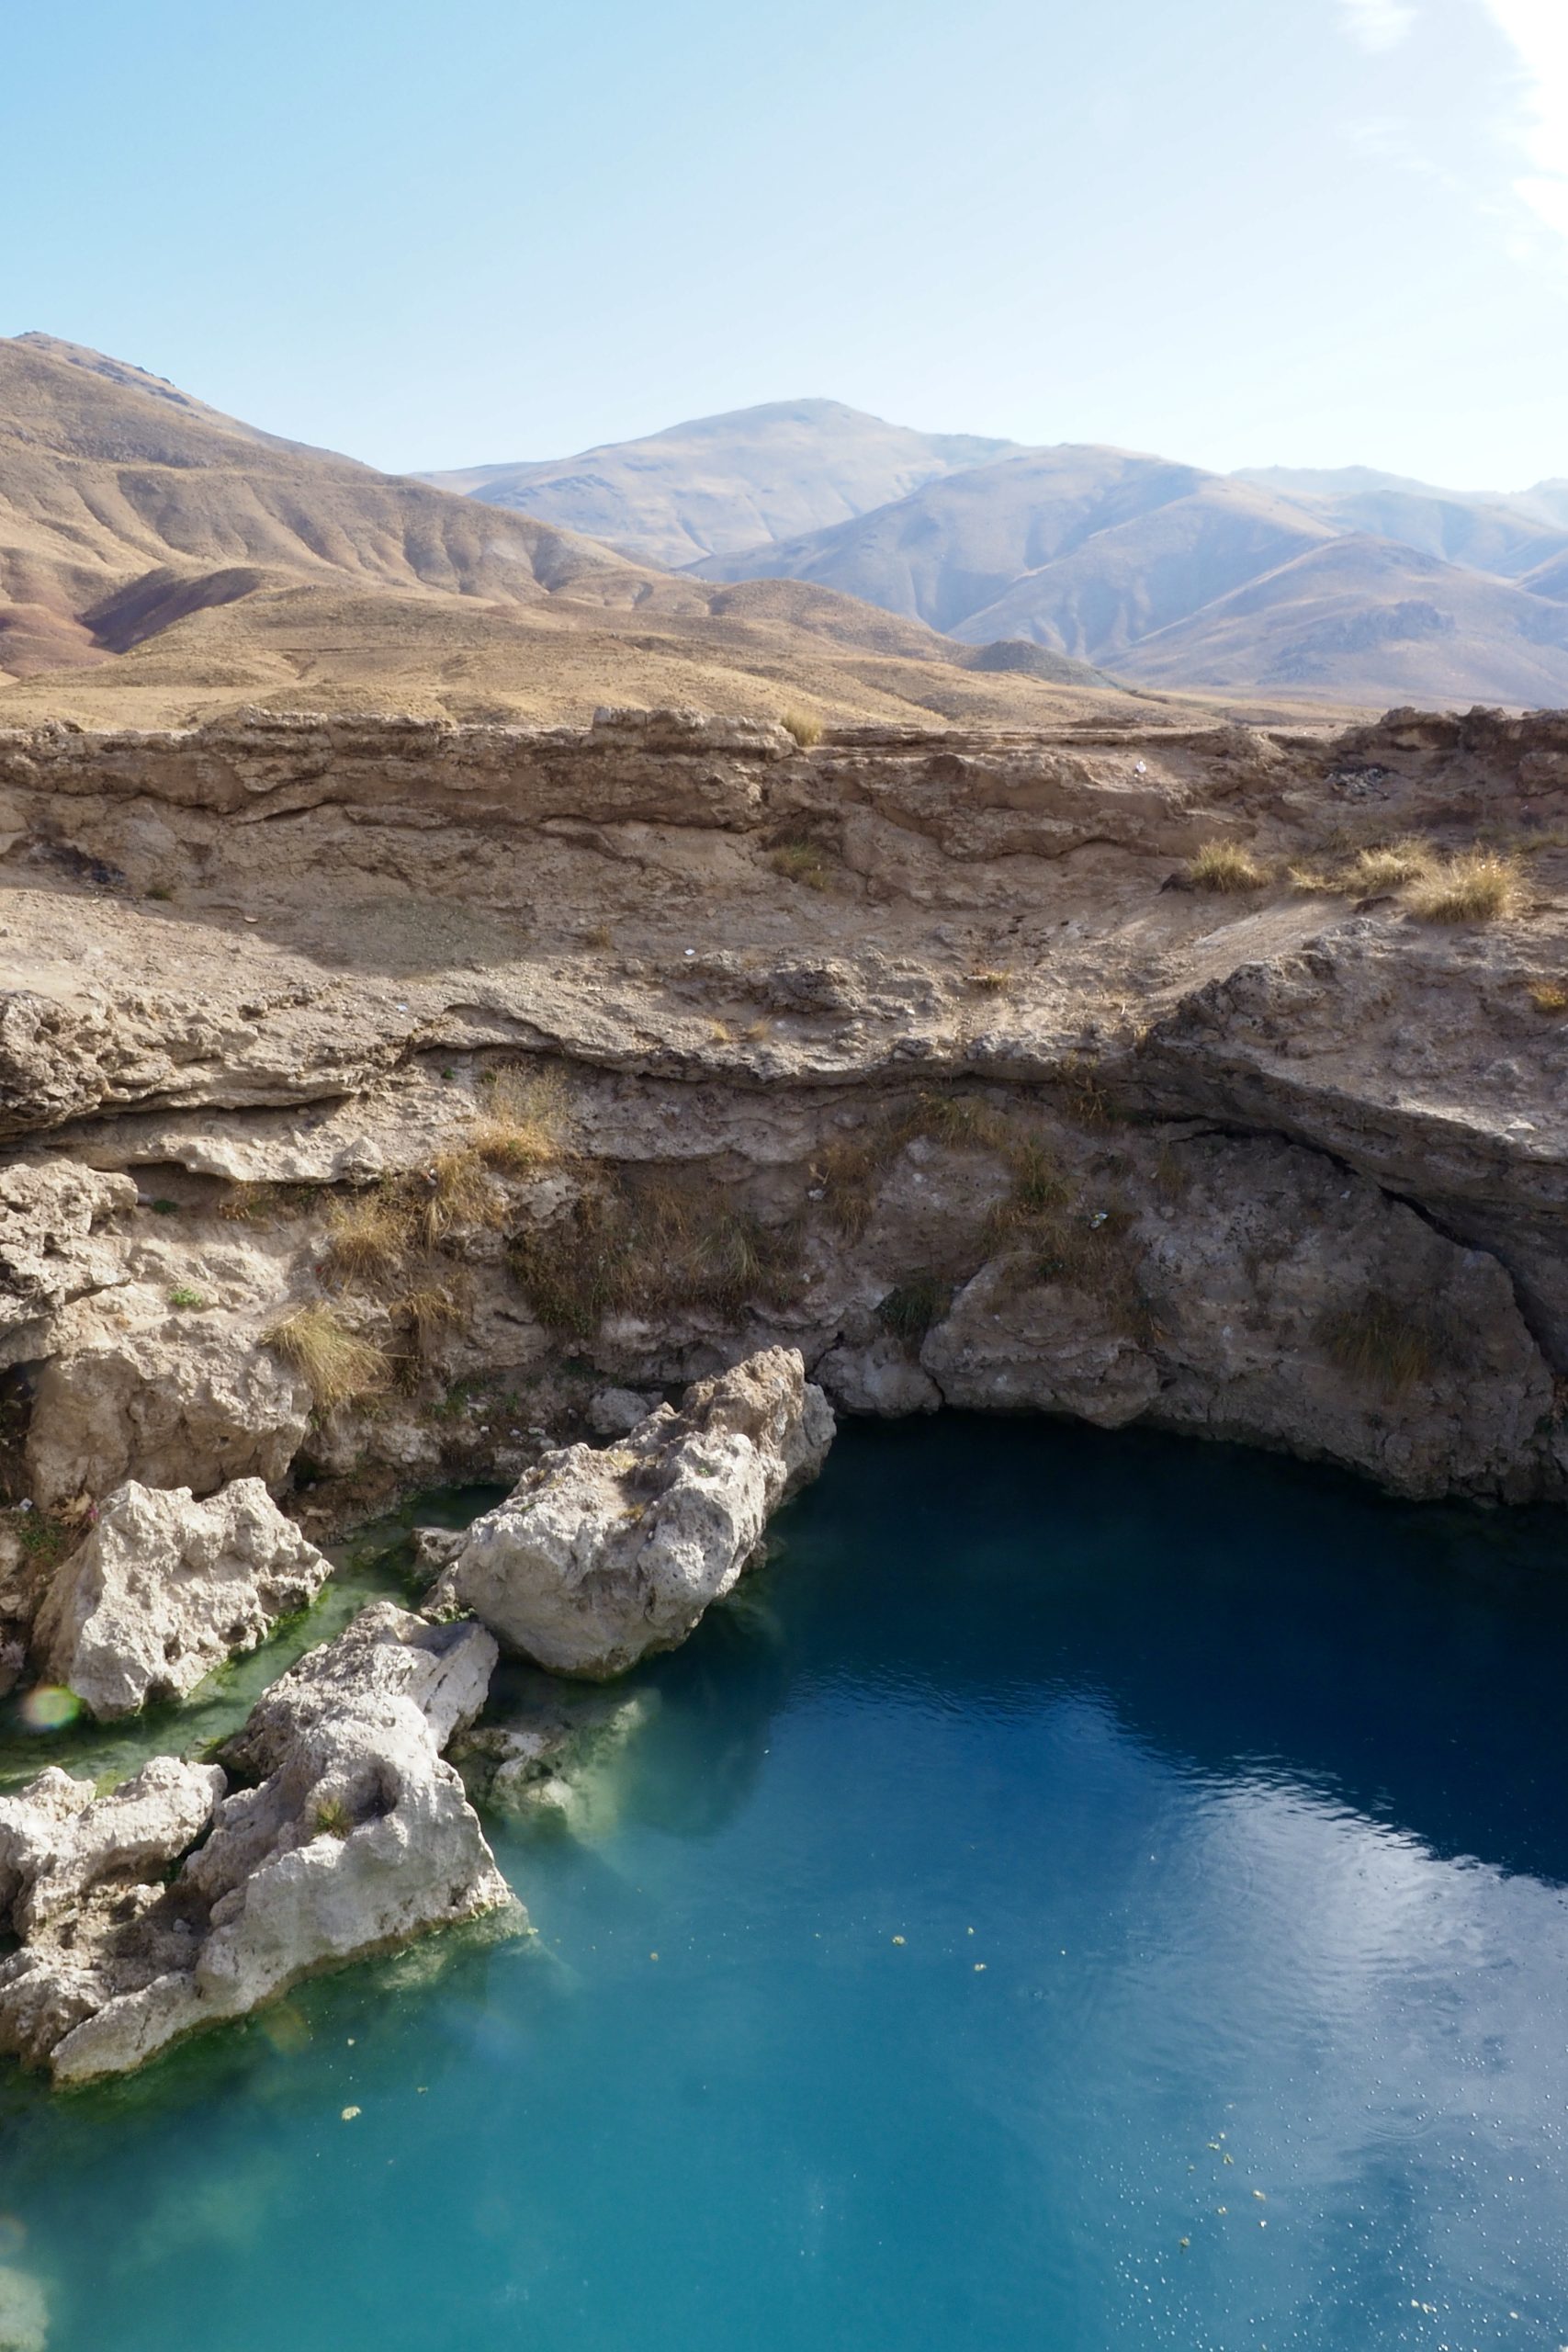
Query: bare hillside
[[722, 483]]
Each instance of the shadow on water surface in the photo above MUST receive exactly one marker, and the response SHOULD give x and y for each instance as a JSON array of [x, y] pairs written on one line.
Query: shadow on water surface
[[1237, 1611]]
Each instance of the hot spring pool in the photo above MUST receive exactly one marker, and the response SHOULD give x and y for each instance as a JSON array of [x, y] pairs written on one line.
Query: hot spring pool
[[1085, 1892]]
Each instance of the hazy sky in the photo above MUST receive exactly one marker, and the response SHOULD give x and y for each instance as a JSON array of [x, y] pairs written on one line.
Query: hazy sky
[[1237, 231]]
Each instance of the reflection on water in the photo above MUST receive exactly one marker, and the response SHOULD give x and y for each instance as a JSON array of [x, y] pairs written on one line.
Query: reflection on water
[[1087, 1892]]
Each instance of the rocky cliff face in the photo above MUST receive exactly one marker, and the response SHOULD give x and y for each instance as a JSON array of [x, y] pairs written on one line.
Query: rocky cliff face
[[375, 1094]]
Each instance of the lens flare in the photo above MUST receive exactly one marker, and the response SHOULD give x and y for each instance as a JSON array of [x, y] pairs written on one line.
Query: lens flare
[[50, 1708]]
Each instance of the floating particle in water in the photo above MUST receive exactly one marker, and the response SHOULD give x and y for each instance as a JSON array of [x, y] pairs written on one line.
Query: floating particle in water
[[50, 1708], [979, 1967], [897, 1940], [349, 2113]]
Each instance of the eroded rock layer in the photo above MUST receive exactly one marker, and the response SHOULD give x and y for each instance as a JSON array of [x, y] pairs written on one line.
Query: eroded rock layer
[[381, 1095]]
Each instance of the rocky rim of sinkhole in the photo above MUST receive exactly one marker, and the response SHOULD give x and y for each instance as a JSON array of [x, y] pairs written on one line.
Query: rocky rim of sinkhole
[[387, 1102]]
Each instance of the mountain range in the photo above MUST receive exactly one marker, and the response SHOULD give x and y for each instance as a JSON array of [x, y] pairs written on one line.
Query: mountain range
[[1353, 585], [159, 562]]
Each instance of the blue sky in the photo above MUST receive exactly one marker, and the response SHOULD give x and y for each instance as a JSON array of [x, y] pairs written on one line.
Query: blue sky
[[1237, 231]]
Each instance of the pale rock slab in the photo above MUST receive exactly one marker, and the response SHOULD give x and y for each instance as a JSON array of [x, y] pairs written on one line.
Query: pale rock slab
[[166, 1588], [357, 1839], [180, 1404], [51, 1248], [598, 1558]]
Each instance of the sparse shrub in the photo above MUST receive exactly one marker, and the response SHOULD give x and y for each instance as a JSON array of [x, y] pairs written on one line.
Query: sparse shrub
[[183, 1295], [802, 861], [804, 725], [258, 1204], [159, 890], [909, 1311], [338, 1364], [1088, 1100], [1379, 1343], [992, 982], [649, 1246], [1473, 885], [45, 1541], [331, 1818], [849, 1169], [164, 1208], [1550, 996], [600, 936], [1225, 865]]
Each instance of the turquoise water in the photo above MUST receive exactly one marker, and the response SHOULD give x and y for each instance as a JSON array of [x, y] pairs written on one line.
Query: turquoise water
[[1222, 1808]]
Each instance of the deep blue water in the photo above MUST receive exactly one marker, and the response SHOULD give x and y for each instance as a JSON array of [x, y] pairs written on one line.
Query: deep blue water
[[1221, 1806]]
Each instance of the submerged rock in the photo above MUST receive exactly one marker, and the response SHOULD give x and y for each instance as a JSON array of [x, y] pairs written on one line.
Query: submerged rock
[[598, 1557], [556, 1757], [165, 1589], [24, 2311], [358, 1837]]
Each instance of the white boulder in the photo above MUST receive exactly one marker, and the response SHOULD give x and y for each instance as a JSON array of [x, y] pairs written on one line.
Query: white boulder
[[358, 1837], [165, 1589], [598, 1557]]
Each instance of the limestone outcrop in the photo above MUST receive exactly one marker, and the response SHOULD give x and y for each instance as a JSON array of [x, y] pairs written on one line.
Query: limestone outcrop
[[164, 1588], [600, 1556], [182, 1402], [938, 1057], [53, 1246], [173, 1903]]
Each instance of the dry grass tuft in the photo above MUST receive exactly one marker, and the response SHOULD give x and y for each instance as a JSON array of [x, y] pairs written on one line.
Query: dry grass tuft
[[992, 983], [1377, 1343], [371, 1237], [804, 725], [802, 861], [1225, 865], [1388, 867], [426, 1312], [339, 1365], [1473, 885], [909, 1311], [640, 1245], [523, 1123], [1550, 996]]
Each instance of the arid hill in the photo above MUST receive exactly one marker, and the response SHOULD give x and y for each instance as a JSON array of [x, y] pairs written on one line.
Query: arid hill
[[161, 562]]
